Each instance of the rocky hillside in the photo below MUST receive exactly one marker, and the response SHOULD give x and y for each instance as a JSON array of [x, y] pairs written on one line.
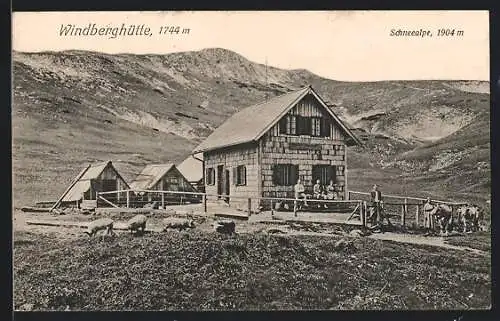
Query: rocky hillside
[[74, 107]]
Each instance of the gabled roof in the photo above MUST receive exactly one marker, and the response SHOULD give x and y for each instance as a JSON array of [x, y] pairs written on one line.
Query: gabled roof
[[82, 184], [192, 168], [150, 175], [251, 123]]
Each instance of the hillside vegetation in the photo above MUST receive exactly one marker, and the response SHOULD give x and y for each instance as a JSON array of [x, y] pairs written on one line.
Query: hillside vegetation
[[245, 272], [73, 107]]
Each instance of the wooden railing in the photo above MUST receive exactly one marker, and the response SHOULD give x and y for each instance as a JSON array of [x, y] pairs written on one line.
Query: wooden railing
[[406, 202], [359, 206]]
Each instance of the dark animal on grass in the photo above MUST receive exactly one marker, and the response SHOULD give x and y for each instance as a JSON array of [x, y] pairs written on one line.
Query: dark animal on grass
[[103, 224], [470, 216], [178, 223], [137, 223], [443, 214], [225, 227]]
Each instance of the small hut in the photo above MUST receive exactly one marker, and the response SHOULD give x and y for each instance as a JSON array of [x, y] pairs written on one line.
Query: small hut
[[192, 169], [162, 177], [98, 177]]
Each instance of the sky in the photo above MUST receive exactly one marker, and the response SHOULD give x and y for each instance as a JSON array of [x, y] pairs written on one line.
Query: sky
[[340, 45]]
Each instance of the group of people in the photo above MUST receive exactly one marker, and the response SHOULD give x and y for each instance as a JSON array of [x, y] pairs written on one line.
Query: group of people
[[320, 192], [441, 214]]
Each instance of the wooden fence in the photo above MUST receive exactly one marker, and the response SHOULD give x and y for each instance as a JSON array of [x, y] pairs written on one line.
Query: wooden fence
[[408, 208], [357, 208]]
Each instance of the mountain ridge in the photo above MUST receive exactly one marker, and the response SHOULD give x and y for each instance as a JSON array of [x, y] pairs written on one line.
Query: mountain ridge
[[171, 102]]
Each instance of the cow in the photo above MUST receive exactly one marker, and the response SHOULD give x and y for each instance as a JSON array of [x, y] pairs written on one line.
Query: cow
[[470, 215], [443, 214]]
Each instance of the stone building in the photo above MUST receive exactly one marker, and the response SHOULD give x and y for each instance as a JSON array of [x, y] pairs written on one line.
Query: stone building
[[263, 149]]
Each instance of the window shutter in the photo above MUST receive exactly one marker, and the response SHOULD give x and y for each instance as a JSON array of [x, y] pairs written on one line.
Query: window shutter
[[298, 128], [325, 127], [282, 125], [315, 173], [235, 175], [294, 174], [244, 178], [333, 173], [275, 175]]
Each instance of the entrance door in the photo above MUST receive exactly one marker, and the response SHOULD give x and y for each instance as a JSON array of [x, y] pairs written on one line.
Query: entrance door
[[226, 185], [220, 181]]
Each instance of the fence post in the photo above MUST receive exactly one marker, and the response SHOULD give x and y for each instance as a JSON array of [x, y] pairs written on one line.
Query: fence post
[[348, 195], [363, 219], [416, 215], [402, 215], [451, 207], [96, 199], [295, 204], [405, 211], [361, 212], [128, 199], [249, 206], [204, 197]]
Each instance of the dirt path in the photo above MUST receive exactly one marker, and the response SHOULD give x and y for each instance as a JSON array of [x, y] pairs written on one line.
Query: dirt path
[[74, 229], [423, 240]]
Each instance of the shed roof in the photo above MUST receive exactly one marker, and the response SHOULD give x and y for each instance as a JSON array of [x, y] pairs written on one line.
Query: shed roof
[[150, 175], [192, 168], [249, 124], [93, 171]]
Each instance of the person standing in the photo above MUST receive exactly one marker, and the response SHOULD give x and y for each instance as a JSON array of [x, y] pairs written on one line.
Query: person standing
[[376, 199], [428, 217], [299, 191]]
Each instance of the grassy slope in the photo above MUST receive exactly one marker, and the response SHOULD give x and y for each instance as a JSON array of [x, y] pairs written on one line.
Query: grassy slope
[[247, 272], [465, 172]]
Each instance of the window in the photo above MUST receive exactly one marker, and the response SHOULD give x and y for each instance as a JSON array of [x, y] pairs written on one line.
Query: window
[[324, 173], [240, 175], [299, 125], [285, 175], [210, 176], [316, 126]]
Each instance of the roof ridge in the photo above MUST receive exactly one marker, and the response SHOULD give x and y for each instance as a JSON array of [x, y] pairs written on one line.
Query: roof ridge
[[275, 97], [100, 163]]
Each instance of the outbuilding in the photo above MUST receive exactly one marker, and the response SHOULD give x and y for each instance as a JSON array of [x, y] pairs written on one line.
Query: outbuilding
[[163, 177], [97, 177]]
